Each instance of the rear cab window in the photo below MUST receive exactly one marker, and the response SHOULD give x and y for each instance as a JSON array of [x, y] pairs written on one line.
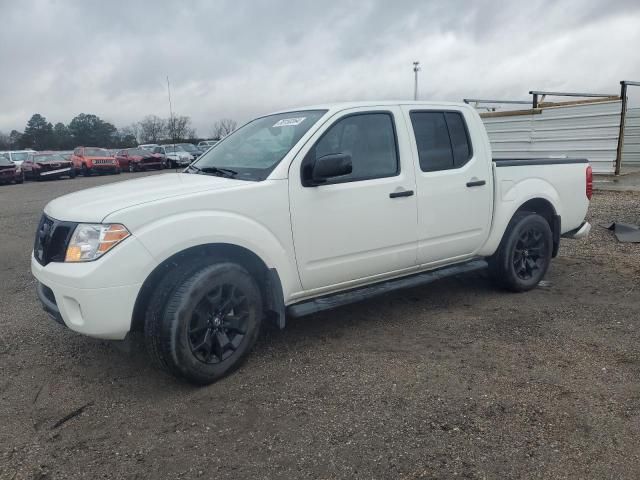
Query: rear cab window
[[442, 139]]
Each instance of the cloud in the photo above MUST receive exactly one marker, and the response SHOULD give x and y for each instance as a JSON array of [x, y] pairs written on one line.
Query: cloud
[[239, 59]]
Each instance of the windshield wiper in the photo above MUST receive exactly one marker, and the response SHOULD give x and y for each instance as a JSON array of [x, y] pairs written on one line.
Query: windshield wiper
[[217, 170]]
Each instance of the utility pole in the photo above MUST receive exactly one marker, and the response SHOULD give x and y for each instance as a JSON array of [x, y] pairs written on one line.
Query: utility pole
[[171, 125], [416, 69]]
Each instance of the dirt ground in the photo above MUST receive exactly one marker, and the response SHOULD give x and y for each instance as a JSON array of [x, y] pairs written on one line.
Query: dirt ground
[[451, 380]]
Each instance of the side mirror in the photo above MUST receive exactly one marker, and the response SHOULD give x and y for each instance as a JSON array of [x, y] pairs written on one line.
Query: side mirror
[[330, 166]]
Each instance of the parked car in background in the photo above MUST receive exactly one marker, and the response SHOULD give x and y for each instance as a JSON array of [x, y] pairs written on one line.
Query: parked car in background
[[295, 213], [47, 165], [190, 148], [66, 154], [18, 156], [88, 160], [9, 171], [138, 159], [173, 156], [148, 146], [206, 145]]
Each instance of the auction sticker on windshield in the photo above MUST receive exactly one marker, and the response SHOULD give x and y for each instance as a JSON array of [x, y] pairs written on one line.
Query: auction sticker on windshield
[[289, 122]]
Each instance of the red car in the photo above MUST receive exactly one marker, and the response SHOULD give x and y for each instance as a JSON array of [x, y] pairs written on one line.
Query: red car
[[88, 160], [9, 172], [138, 159], [46, 165]]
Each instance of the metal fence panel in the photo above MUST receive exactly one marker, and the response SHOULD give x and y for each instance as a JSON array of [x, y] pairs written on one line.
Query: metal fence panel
[[631, 145], [587, 130]]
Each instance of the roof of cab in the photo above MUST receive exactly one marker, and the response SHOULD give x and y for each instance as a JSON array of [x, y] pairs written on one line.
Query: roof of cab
[[340, 106]]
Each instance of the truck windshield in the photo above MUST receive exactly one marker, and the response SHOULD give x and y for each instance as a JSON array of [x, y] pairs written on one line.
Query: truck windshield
[[254, 150]]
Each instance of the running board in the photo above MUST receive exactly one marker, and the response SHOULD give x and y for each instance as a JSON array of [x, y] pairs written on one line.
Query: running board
[[328, 302]]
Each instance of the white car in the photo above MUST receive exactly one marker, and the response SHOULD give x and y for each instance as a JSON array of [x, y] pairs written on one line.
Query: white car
[[298, 212], [17, 156], [173, 156], [148, 146]]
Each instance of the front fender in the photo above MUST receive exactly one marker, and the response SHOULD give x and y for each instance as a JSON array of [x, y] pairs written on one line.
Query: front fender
[[172, 234], [510, 195]]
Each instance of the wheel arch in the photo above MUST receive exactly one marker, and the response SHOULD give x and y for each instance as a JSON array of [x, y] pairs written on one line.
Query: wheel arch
[[267, 278], [543, 205], [545, 209]]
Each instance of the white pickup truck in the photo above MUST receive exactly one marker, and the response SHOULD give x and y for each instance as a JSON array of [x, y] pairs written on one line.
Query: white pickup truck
[[294, 213]]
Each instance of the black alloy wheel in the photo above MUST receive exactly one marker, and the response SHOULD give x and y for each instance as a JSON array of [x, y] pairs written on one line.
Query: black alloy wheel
[[218, 324], [529, 253], [524, 254], [202, 321]]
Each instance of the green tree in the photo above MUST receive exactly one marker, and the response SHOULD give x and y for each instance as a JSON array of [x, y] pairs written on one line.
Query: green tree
[[38, 133], [91, 130], [62, 137]]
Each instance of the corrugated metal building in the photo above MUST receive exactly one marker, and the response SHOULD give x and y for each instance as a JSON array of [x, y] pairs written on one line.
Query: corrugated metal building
[[584, 130], [631, 144]]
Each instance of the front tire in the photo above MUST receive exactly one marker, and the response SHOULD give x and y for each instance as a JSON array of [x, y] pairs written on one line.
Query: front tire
[[20, 179], [202, 321], [524, 255]]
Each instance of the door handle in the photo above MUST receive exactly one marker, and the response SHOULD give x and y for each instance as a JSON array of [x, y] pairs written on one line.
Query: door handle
[[403, 193], [475, 183]]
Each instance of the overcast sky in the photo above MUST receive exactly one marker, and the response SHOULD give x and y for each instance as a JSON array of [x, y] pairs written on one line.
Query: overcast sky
[[241, 58]]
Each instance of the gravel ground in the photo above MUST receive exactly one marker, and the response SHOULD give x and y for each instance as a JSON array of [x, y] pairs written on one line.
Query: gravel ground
[[450, 380]]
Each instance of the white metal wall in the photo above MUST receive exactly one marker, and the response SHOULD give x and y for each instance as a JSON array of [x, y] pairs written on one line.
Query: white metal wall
[[631, 145], [579, 131]]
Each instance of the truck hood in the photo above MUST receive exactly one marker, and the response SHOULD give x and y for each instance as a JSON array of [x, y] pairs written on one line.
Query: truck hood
[[94, 204]]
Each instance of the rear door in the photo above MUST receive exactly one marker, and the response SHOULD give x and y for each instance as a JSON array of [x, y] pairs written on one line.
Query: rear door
[[363, 224], [454, 183]]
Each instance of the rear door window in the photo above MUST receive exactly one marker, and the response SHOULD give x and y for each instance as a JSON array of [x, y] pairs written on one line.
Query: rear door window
[[442, 140]]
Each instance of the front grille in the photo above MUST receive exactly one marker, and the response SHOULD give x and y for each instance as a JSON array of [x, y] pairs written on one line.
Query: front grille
[[103, 162], [52, 238]]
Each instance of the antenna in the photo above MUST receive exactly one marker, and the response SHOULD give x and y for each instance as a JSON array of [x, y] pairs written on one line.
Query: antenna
[[170, 112]]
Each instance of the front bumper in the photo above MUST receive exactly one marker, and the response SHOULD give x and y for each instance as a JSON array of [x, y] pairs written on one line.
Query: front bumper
[[104, 168], [95, 298], [581, 232]]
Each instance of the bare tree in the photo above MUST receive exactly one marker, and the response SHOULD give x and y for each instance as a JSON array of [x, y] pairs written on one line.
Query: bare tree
[[5, 141], [152, 129], [133, 130], [223, 127], [179, 128]]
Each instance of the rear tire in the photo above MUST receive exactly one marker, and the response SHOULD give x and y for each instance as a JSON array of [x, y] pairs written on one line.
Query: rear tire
[[524, 254], [20, 179], [85, 171], [202, 322]]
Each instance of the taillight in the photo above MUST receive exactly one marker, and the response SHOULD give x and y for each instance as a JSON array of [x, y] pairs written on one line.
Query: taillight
[[589, 187]]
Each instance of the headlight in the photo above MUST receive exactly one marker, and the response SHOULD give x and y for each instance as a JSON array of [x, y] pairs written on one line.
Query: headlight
[[91, 241]]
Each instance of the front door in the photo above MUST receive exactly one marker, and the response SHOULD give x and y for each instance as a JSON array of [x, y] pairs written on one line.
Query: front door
[[361, 225]]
